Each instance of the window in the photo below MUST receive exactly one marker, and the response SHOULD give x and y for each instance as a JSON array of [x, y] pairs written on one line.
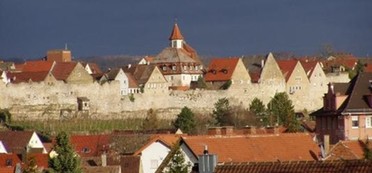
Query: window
[[369, 122], [85, 150], [174, 67], [184, 67], [164, 68], [354, 122], [196, 68]]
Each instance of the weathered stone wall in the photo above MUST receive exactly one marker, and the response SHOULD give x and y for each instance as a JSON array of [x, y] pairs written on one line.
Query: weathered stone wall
[[43, 101]]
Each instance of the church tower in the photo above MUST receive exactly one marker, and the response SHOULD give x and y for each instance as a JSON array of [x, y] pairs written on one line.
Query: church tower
[[176, 38]]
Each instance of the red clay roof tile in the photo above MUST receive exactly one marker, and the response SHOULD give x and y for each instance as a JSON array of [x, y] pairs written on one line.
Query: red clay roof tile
[[176, 33], [90, 145], [287, 67], [221, 69]]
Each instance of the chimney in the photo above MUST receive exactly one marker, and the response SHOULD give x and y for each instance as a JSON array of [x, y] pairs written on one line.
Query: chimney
[[205, 152], [326, 144], [207, 162], [214, 131], [227, 130], [249, 130], [104, 159]]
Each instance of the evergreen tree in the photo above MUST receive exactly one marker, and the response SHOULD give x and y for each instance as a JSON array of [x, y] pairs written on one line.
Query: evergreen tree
[[367, 151], [185, 121], [66, 160], [151, 121], [222, 112], [282, 110], [178, 163], [258, 109], [31, 166]]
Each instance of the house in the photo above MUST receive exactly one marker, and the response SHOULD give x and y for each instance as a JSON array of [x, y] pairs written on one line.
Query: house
[[71, 72], [361, 166], [151, 148], [92, 68], [146, 60], [251, 148], [346, 150], [317, 77], [297, 82], [224, 70], [340, 63], [347, 110], [117, 75], [9, 162], [149, 78], [132, 84], [90, 145], [271, 74], [20, 142], [179, 63], [40, 76]]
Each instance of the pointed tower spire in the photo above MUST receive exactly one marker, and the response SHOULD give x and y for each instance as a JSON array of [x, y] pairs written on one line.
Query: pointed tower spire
[[176, 38], [176, 33]]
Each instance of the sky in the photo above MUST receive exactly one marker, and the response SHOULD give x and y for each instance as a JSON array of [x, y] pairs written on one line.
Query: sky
[[28, 28]]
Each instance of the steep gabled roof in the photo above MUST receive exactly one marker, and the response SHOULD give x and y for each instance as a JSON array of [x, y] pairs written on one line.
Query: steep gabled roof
[[309, 67], [174, 55], [287, 67], [15, 141], [129, 164], [361, 166], [342, 151], [90, 145], [36, 76], [132, 83], [221, 69], [360, 87], [176, 33], [93, 66], [62, 70], [9, 160], [255, 148], [111, 75], [37, 66]]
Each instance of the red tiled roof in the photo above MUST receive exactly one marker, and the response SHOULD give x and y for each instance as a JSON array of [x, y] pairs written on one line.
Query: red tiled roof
[[360, 166], [221, 69], [167, 139], [149, 58], [340, 151], [368, 68], [19, 67], [256, 148], [176, 33], [95, 68], [12, 159], [129, 164], [35, 76], [309, 66], [15, 141], [131, 80], [255, 76], [41, 160], [179, 88], [90, 145], [62, 70], [287, 67], [9, 169], [37, 66]]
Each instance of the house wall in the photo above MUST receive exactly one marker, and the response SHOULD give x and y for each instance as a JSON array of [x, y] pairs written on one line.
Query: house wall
[[153, 156], [35, 142], [298, 83], [362, 132], [123, 80], [189, 156], [156, 84], [240, 79], [79, 75]]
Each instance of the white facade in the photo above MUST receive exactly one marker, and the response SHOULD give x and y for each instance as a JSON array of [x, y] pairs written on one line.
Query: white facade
[[189, 156], [35, 142], [152, 156], [2, 148], [124, 83], [181, 79]]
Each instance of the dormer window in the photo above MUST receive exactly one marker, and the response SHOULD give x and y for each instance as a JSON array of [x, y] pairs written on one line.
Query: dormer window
[[196, 67], [8, 162], [174, 67], [85, 150], [164, 68], [213, 71], [184, 67], [224, 71]]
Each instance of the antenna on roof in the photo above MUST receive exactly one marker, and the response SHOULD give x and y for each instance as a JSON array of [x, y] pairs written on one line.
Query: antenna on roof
[[66, 46]]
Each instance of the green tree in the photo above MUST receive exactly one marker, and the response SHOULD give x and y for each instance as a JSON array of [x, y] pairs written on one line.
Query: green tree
[[226, 85], [359, 67], [185, 121], [222, 112], [281, 109], [178, 163], [66, 161], [31, 166], [367, 150], [259, 110], [151, 121], [201, 82]]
